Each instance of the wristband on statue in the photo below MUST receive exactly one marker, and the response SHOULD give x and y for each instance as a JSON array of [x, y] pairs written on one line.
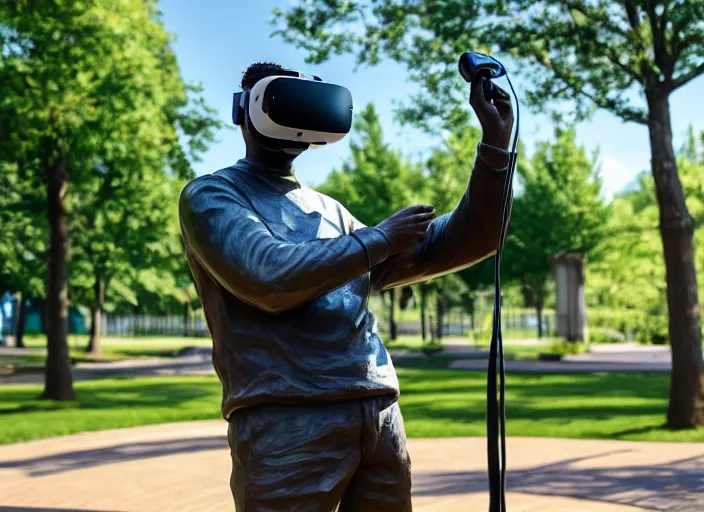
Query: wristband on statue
[[502, 154], [375, 244]]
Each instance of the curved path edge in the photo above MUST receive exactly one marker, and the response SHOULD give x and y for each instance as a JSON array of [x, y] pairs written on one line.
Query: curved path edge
[[185, 467]]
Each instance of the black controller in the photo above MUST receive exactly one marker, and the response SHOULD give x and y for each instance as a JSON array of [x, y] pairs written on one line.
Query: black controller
[[472, 64]]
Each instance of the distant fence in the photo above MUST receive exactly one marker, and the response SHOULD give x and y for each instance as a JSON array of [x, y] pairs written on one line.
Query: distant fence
[[604, 324], [459, 323], [147, 325], [456, 323]]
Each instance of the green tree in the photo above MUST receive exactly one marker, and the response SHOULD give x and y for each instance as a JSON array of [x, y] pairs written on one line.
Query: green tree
[[630, 274], [23, 242], [84, 84], [592, 53], [125, 226], [122, 224], [560, 209], [375, 182], [447, 179]]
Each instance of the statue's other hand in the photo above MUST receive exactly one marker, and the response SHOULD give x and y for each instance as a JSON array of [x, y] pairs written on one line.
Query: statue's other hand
[[406, 228]]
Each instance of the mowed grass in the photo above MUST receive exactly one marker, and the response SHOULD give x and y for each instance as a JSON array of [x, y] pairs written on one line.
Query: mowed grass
[[626, 406], [116, 347], [120, 348], [107, 404], [435, 403]]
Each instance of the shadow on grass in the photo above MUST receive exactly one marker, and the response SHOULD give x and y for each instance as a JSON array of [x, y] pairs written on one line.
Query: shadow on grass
[[532, 385], [82, 459], [597, 406], [565, 415], [677, 485], [641, 430], [139, 353], [48, 406]]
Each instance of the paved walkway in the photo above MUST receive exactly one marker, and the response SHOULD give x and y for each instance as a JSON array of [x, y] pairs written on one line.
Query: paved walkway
[[601, 358], [185, 467], [624, 357], [565, 366]]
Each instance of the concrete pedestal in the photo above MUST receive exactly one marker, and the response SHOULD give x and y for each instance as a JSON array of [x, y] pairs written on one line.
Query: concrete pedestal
[[570, 303]]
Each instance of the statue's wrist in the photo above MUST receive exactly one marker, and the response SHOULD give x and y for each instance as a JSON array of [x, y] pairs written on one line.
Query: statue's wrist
[[375, 244], [494, 157]]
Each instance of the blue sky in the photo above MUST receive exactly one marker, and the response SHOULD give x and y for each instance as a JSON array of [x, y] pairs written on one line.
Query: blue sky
[[217, 39]]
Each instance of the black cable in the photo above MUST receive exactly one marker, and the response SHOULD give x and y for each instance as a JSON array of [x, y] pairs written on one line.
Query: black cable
[[496, 411]]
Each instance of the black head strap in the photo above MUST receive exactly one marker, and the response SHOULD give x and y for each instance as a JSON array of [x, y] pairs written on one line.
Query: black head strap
[[239, 98], [238, 103]]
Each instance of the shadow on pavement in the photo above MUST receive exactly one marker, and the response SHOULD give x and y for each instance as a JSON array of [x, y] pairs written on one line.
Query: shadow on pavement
[[71, 461], [679, 485], [44, 509]]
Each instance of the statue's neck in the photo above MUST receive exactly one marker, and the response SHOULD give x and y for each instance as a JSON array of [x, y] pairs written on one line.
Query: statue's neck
[[274, 161]]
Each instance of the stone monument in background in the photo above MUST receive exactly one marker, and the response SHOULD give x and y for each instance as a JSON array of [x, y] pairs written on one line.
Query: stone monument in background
[[570, 305]]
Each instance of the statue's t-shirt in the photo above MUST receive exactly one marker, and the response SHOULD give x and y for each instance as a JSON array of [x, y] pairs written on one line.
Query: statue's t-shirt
[[284, 275]]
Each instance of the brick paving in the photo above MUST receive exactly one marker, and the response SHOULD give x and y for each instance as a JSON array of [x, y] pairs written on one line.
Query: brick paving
[[185, 467]]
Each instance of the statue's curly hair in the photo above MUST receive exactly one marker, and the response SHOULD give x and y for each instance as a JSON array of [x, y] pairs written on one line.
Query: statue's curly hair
[[258, 70]]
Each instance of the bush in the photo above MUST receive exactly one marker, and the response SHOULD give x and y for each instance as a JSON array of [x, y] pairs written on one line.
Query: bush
[[653, 329], [605, 335], [566, 348], [641, 326], [624, 321]]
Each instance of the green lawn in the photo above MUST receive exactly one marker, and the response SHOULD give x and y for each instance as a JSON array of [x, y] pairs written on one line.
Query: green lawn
[[513, 349], [435, 403], [115, 347], [629, 406]]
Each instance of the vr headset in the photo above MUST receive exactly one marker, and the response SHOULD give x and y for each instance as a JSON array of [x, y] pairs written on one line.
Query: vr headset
[[293, 110]]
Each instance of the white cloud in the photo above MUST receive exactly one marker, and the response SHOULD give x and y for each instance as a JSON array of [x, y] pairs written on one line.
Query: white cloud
[[616, 174]]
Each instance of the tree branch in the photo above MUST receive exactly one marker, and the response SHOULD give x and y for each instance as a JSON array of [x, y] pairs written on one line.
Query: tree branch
[[658, 40], [686, 77], [632, 14], [625, 114], [626, 69], [593, 15], [604, 20]]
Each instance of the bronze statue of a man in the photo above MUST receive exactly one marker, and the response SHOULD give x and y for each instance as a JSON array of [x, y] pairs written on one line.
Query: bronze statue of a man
[[284, 274]]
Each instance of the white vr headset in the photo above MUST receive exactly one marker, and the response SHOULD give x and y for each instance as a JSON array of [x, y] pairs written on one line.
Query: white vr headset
[[293, 110]]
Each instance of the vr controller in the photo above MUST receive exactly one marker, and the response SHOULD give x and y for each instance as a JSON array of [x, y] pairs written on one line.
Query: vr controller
[[472, 64]]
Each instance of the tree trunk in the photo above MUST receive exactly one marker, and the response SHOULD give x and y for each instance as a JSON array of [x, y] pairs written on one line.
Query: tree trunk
[[96, 314], [470, 309], [19, 320], [423, 313], [2, 317], [186, 318], [686, 408], [42, 309], [528, 296], [392, 310], [539, 314], [58, 379], [440, 311]]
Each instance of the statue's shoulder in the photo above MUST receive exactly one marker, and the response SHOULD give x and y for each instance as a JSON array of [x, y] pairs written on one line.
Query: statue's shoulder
[[332, 205], [326, 202], [225, 179]]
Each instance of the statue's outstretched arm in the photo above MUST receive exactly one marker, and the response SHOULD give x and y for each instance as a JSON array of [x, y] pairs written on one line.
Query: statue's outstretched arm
[[238, 250], [455, 240]]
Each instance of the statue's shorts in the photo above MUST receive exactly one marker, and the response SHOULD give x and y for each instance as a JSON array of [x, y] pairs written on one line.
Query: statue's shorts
[[318, 456]]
